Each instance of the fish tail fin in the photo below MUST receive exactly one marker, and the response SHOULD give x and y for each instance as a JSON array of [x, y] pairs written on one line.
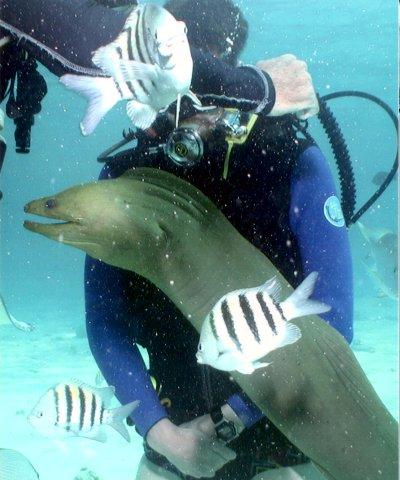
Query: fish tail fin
[[299, 303], [117, 416], [101, 93]]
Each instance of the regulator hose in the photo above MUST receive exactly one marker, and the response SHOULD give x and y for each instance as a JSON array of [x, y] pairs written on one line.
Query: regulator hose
[[342, 157]]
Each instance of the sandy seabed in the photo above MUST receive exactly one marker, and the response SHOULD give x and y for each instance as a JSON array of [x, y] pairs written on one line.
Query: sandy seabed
[[33, 362]]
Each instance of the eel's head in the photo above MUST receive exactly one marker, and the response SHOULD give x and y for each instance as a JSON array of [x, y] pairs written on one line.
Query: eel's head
[[135, 222], [104, 219]]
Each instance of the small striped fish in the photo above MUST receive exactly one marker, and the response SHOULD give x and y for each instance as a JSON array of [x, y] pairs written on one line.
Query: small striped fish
[[70, 409], [148, 64], [245, 325]]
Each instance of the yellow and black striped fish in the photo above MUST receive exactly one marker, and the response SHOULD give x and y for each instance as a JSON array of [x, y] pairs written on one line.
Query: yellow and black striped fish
[[149, 64], [74, 409], [245, 325]]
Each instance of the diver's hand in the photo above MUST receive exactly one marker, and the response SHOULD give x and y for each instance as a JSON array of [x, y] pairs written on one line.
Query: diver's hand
[[293, 86], [193, 452]]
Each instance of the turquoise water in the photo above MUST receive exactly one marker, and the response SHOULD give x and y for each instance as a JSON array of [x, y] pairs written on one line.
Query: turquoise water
[[347, 45]]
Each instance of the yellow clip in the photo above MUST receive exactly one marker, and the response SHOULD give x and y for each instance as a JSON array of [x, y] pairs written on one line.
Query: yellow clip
[[232, 140]]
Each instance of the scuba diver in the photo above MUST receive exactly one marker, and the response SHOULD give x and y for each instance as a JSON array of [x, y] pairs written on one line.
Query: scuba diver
[[252, 157], [276, 188]]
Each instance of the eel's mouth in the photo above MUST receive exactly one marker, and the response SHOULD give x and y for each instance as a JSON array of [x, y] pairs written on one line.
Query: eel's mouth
[[60, 230]]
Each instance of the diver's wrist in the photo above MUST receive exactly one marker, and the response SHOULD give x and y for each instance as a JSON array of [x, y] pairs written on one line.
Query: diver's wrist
[[160, 435]]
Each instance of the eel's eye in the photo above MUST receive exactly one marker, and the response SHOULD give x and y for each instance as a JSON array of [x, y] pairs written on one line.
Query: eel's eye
[[50, 203]]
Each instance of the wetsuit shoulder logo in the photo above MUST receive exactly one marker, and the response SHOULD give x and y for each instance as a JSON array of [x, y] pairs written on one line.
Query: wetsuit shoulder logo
[[333, 211]]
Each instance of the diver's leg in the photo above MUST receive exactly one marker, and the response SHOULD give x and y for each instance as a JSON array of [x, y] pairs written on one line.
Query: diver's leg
[[150, 471], [306, 471]]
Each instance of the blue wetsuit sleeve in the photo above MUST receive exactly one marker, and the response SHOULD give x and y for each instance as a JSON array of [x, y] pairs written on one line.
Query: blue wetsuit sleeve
[[212, 76], [247, 411], [112, 331], [317, 223]]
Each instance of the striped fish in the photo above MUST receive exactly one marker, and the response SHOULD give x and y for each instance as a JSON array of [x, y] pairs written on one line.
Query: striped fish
[[75, 409], [245, 325], [148, 64]]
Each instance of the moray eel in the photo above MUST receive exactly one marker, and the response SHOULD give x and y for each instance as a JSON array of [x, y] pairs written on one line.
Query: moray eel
[[161, 227]]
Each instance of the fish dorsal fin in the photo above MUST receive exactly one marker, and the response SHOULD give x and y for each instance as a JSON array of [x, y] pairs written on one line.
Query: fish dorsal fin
[[105, 393], [273, 288]]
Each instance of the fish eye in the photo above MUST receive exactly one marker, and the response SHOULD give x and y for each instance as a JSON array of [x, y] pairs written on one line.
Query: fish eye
[[185, 30], [39, 414], [200, 347], [50, 203]]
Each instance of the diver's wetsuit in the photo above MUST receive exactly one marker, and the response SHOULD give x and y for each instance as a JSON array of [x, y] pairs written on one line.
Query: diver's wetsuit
[[277, 196], [281, 211]]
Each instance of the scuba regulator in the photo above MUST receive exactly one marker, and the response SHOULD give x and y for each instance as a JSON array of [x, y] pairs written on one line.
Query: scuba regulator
[[186, 145]]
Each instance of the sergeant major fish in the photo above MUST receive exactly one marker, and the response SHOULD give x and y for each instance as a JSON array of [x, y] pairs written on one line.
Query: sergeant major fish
[[245, 325], [148, 64], [70, 409]]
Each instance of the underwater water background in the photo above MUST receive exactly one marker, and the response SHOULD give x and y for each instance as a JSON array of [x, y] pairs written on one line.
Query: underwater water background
[[347, 45]]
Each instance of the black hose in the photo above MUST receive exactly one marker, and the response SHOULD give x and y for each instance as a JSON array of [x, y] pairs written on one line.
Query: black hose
[[339, 147], [342, 157]]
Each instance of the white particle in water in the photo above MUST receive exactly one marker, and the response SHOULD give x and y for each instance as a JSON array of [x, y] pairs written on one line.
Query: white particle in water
[[171, 282]]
